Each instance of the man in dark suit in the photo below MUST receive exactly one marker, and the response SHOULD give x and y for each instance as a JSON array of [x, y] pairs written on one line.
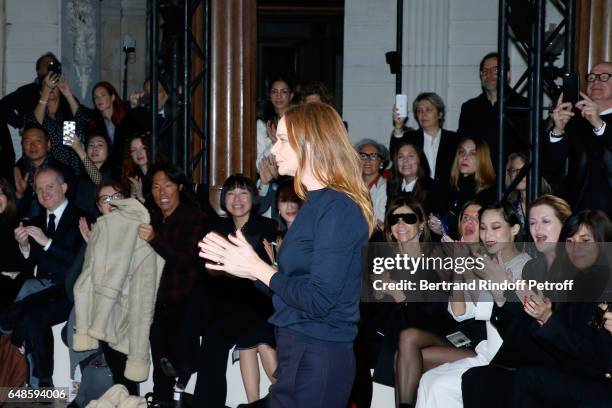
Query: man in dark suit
[[438, 145], [479, 115], [15, 105], [582, 133], [48, 247]]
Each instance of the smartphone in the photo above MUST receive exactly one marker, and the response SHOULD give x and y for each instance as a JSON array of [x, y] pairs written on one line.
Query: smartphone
[[442, 224], [401, 104], [571, 88], [55, 67], [69, 131], [458, 339]]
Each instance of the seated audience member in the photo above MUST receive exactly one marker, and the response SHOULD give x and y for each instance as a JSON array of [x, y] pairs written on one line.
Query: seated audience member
[[439, 145], [109, 119], [288, 204], [48, 247], [239, 311], [410, 175], [374, 159], [9, 285], [138, 120], [584, 140], [35, 145], [316, 91], [15, 106], [518, 196], [136, 164], [472, 178], [478, 116], [175, 230], [441, 386], [97, 169], [280, 94], [57, 105]]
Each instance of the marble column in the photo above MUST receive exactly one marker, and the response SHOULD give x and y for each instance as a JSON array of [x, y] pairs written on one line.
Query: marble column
[[425, 53]]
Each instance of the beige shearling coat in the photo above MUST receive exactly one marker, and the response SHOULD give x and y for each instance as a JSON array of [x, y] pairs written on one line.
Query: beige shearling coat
[[114, 297]]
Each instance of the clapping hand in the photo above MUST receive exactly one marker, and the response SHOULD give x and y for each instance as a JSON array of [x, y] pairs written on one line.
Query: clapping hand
[[607, 316], [38, 235], [234, 255], [21, 183], [85, 229], [21, 236], [271, 130], [136, 188], [537, 306]]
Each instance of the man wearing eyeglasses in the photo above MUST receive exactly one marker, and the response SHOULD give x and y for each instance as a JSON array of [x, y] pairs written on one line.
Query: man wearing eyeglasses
[[479, 115], [582, 134]]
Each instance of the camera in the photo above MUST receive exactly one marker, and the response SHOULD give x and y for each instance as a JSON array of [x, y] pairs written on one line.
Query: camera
[[55, 67]]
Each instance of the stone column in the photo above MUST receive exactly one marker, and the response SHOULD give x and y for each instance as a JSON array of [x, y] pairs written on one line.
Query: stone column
[[81, 46], [425, 53]]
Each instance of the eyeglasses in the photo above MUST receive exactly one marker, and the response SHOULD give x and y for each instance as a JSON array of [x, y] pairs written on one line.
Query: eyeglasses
[[513, 172], [408, 218], [105, 199], [369, 156], [603, 77], [284, 91], [492, 70]]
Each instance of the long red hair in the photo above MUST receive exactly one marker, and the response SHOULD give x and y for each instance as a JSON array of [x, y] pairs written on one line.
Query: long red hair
[[118, 110]]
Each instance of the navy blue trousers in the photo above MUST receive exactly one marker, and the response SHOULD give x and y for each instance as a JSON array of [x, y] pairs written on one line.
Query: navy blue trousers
[[311, 375]]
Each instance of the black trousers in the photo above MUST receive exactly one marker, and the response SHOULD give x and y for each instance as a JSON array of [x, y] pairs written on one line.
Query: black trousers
[[47, 310], [167, 322], [211, 386], [116, 362]]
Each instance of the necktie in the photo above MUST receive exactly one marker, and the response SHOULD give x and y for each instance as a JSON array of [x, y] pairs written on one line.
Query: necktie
[[51, 226]]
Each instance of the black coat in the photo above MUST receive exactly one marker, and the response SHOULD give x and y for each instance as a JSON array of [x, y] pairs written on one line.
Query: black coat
[[15, 105], [479, 119], [446, 151], [588, 182]]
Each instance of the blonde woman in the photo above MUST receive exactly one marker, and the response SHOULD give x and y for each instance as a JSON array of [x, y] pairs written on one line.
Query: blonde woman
[[316, 288]]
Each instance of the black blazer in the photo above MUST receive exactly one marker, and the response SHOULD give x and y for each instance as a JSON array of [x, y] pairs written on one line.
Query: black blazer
[[446, 151], [67, 242]]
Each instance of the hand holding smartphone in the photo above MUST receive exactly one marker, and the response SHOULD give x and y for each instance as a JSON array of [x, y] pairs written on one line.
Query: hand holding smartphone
[[69, 132], [401, 105]]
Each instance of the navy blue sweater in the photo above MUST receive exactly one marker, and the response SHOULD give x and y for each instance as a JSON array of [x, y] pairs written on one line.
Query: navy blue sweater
[[318, 284]]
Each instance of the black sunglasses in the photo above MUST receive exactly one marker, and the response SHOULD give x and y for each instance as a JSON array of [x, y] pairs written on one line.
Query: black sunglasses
[[408, 218]]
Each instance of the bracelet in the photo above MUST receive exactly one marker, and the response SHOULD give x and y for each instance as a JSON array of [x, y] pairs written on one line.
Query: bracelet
[[599, 129], [553, 134], [40, 101]]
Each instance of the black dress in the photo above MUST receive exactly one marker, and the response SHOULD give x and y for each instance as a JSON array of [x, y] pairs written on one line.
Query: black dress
[[250, 307]]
